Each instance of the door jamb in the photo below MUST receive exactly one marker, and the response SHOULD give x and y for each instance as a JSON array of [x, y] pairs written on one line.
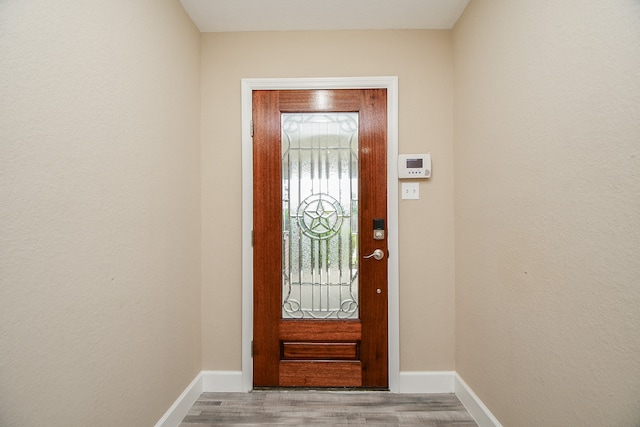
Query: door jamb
[[248, 86]]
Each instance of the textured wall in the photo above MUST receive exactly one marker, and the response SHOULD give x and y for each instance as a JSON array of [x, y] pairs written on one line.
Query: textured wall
[[99, 211], [423, 62], [547, 200]]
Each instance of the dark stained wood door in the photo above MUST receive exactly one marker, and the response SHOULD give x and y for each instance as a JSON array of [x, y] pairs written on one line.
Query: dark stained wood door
[[312, 352]]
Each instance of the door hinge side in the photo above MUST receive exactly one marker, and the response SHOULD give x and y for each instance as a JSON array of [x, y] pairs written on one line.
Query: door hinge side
[[251, 128], [252, 348], [252, 237]]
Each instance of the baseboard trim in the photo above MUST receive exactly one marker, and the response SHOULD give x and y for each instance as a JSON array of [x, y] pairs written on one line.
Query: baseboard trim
[[174, 415], [426, 382], [409, 382], [471, 401], [221, 381]]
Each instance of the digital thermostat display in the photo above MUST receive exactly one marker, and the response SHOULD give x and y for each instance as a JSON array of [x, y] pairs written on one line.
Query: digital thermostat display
[[414, 163], [414, 166]]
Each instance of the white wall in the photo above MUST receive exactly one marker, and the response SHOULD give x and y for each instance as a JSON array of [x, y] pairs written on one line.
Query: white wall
[[547, 193], [99, 211]]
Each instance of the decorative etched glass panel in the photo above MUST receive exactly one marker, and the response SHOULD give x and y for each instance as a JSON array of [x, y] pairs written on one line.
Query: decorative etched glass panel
[[320, 216]]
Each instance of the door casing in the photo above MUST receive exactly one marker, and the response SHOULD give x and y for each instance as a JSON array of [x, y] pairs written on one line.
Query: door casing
[[248, 86]]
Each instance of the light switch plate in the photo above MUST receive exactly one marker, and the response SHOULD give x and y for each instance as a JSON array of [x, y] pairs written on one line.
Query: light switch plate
[[411, 190]]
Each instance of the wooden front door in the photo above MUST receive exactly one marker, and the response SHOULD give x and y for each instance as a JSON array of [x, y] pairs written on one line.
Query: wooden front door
[[320, 204]]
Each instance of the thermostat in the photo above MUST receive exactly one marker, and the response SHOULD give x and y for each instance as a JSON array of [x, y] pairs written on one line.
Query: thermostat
[[414, 166]]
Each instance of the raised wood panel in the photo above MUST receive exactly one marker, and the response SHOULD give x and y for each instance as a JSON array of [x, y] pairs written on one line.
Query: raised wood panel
[[320, 330], [320, 374], [319, 350]]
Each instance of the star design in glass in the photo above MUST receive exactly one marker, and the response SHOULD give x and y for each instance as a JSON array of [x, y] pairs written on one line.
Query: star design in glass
[[321, 218]]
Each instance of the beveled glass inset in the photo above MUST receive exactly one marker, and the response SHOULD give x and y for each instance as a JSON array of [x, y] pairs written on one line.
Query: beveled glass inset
[[320, 216]]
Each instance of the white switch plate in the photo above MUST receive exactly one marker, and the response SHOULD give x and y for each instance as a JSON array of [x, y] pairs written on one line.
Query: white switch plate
[[411, 190]]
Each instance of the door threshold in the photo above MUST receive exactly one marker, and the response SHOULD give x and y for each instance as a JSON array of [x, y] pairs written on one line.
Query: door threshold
[[322, 389]]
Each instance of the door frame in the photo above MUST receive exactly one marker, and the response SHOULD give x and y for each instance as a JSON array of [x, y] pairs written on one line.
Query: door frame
[[248, 86]]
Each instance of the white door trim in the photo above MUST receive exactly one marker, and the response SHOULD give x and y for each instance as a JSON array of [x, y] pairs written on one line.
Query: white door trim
[[248, 86]]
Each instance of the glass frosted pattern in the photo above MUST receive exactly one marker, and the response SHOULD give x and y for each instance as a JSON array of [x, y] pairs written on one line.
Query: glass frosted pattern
[[320, 216]]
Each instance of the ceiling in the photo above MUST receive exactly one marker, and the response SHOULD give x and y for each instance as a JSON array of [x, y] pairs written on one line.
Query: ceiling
[[300, 15]]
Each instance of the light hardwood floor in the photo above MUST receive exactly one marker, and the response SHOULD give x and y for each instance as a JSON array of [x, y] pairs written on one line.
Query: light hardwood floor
[[327, 408]]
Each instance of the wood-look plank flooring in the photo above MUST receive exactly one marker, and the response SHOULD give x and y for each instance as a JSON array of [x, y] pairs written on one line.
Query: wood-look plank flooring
[[327, 408]]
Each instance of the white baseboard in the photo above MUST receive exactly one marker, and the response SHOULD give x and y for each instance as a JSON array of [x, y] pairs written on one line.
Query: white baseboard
[[409, 382], [174, 415], [205, 381], [477, 409], [426, 382], [221, 381]]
